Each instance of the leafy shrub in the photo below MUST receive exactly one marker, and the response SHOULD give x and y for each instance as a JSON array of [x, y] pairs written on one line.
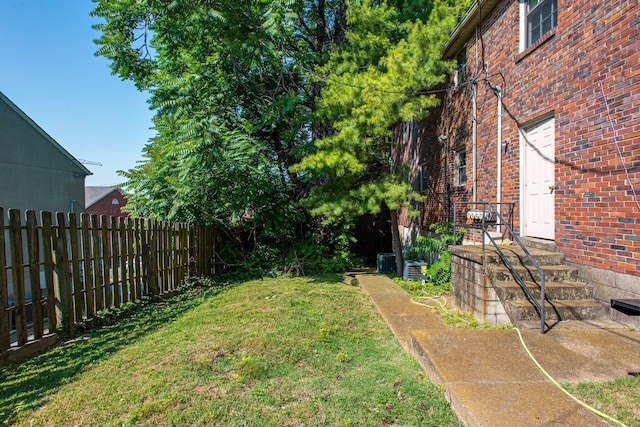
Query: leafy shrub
[[434, 250]]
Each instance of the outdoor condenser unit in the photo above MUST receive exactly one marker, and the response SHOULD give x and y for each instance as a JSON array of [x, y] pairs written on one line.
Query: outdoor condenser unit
[[386, 263], [413, 270]]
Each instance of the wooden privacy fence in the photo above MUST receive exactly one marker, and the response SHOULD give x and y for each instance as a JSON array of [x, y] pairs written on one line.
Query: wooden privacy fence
[[57, 273]]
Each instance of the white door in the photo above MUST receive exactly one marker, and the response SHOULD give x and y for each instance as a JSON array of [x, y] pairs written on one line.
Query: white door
[[538, 179]]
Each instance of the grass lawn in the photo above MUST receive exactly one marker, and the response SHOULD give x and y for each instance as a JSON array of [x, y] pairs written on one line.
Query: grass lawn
[[619, 398], [286, 352]]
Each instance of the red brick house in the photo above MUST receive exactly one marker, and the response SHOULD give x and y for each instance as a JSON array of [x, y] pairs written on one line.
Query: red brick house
[[107, 201], [544, 112]]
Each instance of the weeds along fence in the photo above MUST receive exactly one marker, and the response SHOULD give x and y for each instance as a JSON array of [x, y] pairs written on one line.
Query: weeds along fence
[[57, 272]]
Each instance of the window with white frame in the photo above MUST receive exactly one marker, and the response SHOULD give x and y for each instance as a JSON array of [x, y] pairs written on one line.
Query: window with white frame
[[537, 18], [460, 165]]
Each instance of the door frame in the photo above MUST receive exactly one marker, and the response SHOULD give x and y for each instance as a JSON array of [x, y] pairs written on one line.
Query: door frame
[[522, 130]]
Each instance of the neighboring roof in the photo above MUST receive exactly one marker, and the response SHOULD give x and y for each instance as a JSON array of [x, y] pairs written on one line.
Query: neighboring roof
[[479, 10], [95, 194], [44, 134]]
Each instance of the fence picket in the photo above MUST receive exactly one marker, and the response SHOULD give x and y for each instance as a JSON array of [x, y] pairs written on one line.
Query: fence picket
[[87, 265], [47, 254], [195, 249], [146, 257], [5, 338], [75, 267], [96, 245], [64, 303], [171, 241], [115, 261], [170, 258], [201, 241], [17, 264], [161, 256], [130, 259], [186, 251], [153, 255], [211, 262], [106, 261], [174, 255], [177, 254], [122, 228], [33, 251], [137, 239]]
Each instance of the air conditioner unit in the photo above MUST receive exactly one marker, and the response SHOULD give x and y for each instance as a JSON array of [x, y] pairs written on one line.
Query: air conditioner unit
[[414, 270], [386, 263]]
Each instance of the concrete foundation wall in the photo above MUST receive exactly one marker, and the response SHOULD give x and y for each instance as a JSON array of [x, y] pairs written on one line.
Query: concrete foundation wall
[[609, 284], [472, 291]]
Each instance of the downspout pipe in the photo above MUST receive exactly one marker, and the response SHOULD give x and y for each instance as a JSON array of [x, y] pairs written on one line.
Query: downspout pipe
[[474, 136], [499, 157], [474, 139]]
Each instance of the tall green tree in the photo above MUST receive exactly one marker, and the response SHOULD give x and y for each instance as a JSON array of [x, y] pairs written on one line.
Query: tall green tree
[[385, 73], [262, 102], [233, 100]]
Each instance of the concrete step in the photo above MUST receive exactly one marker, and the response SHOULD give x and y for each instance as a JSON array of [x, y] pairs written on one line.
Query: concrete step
[[556, 310], [517, 257], [554, 291], [593, 324], [553, 273], [534, 243]]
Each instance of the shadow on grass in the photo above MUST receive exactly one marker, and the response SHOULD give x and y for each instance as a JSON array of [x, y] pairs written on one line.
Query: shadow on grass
[[26, 385]]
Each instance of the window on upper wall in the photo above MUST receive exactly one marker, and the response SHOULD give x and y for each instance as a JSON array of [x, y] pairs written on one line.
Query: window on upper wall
[[541, 16], [115, 201], [460, 75], [423, 178], [459, 166]]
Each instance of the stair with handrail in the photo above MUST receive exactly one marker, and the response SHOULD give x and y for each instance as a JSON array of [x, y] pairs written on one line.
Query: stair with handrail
[[565, 297], [531, 279]]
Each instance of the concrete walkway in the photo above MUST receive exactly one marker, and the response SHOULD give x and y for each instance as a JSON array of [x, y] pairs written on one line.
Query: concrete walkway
[[488, 376]]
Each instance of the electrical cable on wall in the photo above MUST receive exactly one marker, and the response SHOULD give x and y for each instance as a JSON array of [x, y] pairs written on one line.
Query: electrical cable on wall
[[615, 141]]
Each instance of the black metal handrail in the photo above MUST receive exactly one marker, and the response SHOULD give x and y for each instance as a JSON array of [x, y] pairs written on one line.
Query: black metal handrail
[[500, 221]]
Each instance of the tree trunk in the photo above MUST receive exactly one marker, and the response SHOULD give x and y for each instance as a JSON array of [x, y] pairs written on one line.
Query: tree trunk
[[397, 243]]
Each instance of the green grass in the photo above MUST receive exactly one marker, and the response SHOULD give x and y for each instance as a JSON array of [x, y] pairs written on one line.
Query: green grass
[[417, 288], [280, 352], [430, 294], [619, 398]]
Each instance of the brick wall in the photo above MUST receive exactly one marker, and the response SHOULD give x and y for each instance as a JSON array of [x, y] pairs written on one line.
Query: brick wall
[[595, 43], [105, 206]]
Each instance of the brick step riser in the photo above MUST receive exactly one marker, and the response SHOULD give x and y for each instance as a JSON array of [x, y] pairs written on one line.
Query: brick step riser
[[552, 293], [551, 275], [554, 314]]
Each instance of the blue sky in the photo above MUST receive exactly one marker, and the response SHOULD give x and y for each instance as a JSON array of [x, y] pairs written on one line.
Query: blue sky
[[49, 70]]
